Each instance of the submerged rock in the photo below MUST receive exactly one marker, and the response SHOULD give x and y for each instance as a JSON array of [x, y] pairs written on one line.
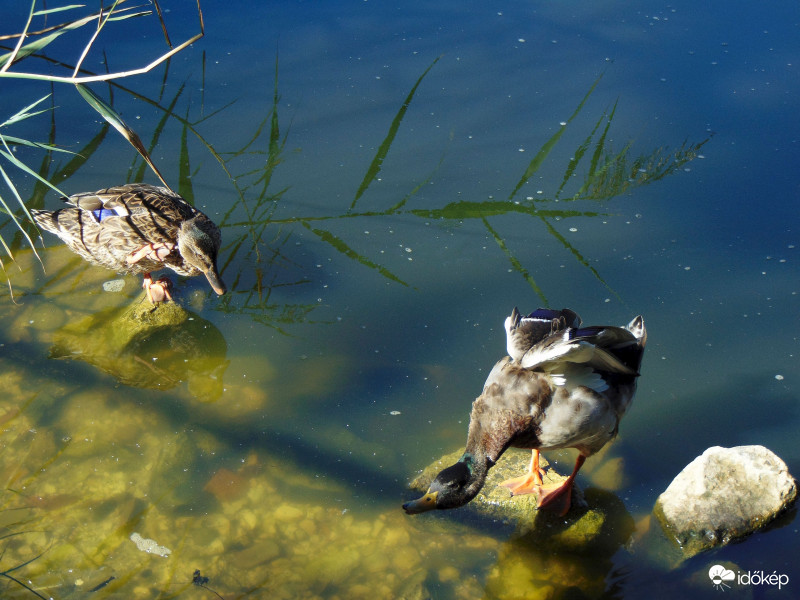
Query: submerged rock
[[597, 521], [724, 494], [150, 347]]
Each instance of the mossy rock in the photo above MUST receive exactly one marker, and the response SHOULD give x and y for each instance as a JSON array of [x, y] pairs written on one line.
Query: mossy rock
[[148, 346], [597, 521]]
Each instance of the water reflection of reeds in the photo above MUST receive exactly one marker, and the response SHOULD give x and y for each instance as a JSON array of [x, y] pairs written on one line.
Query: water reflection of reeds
[[255, 254]]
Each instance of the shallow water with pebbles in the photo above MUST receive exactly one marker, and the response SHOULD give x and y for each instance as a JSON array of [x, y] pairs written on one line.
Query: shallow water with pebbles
[[114, 489], [120, 495]]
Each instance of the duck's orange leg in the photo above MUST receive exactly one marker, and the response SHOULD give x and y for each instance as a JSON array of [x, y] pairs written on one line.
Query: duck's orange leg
[[528, 483], [158, 291], [558, 497]]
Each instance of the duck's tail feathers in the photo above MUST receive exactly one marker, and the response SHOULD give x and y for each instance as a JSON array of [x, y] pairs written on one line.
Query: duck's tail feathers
[[637, 328], [522, 333], [46, 220]]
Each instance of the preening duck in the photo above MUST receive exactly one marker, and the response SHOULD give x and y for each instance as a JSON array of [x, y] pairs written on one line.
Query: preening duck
[[138, 228], [561, 386]]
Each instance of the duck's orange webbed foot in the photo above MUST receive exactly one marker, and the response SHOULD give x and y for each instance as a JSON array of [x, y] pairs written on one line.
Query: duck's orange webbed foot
[[528, 483], [558, 497], [157, 291]]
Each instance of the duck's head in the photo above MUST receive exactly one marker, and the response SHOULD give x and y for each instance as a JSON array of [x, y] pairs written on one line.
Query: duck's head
[[453, 487], [198, 243]]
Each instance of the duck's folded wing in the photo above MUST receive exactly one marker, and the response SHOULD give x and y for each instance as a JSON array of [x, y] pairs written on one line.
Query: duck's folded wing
[[100, 204], [580, 350]]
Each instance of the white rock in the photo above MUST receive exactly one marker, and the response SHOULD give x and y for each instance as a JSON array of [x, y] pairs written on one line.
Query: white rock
[[723, 494]]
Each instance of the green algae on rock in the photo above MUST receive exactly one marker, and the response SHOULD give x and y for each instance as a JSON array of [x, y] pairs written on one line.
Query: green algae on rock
[[597, 522], [150, 347]]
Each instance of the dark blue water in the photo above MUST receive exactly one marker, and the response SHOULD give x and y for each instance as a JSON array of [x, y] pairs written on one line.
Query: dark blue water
[[355, 295]]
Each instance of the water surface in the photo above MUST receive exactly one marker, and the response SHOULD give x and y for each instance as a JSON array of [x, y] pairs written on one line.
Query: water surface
[[375, 237]]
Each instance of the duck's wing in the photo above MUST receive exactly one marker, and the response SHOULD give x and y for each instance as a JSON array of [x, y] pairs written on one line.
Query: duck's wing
[[146, 212], [131, 198], [522, 333], [603, 348], [100, 204]]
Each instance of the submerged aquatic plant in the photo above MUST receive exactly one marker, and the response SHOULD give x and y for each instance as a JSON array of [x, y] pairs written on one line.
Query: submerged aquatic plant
[[255, 258], [608, 174]]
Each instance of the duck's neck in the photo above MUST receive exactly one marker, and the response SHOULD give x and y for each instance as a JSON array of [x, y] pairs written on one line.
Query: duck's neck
[[478, 465]]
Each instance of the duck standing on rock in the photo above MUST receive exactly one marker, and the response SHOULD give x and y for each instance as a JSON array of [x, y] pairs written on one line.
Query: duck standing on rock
[[562, 386], [138, 228]]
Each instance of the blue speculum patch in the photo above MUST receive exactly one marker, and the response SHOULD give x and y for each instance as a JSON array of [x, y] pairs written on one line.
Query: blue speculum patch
[[102, 213]]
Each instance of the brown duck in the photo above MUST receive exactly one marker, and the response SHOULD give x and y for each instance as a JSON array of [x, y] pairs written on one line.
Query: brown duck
[[562, 386], [138, 228]]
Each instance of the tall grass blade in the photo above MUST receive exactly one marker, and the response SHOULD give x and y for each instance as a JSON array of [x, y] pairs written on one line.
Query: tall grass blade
[[8, 155], [161, 20], [342, 247], [10, 139], [601, 143], [100, 24], [577, 157], [578, 256], [57, 9], [157, 131], [38, 44], [8, 59], [515, 263], [11, 214], [184, 168], [24, 112]]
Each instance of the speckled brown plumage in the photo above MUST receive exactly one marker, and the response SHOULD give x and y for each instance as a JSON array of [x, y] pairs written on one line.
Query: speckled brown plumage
[[138, 228]]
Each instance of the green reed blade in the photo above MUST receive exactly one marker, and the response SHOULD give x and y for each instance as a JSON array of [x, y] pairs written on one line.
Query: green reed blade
[[339, 245], [515, 263], [578, 156], [578, 256], [116, 121], [383, 149], [548, 146]]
